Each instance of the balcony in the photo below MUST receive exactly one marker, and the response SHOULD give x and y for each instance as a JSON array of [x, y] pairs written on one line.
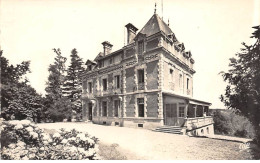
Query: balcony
[[171, 86], [188, 92], [85, 96], [193, 123], [140, 86]]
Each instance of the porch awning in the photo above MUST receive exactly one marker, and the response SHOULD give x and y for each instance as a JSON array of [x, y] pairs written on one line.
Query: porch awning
[[198, 102]]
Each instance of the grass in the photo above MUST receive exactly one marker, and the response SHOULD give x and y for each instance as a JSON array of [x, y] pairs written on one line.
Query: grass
[[110, 152]]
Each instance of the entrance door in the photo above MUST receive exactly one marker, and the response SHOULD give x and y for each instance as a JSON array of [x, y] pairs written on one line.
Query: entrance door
[[171, 115], [90, 111]]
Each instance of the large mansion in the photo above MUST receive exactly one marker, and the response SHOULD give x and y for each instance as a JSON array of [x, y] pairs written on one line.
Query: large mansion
[[147, 84]]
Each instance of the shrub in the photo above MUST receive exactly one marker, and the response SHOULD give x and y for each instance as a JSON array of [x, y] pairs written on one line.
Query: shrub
[[24, 140], [229, 123]]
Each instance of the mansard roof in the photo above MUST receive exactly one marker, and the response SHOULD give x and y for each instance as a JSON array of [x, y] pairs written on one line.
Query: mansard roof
[[155, 25]]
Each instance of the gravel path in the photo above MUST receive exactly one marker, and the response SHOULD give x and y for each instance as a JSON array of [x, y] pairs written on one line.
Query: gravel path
[[146, 144]]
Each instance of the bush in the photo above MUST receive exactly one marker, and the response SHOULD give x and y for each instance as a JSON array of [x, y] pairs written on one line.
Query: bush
[[24, 140], [229, 123], [61, 109]]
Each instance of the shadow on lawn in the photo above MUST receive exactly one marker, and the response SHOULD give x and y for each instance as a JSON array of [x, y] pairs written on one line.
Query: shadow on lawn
[[110, 152], [255, 151]]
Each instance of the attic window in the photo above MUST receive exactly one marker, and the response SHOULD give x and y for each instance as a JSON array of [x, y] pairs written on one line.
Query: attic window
[[101, 64], [89, 67], [111, 60]]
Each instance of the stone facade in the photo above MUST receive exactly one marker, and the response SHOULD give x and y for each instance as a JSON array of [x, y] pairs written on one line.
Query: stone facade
[[137, 85]]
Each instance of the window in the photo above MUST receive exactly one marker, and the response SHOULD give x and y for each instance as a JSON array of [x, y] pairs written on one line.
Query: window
[[116, 107], [180, 81], [141, 76], [181, 111], [140, 47], [104, 84], [171, 71], [117, 81], [206, 110], [140, 102], [89, 67], [199, 111], [188, 83], [104, 108], [101, 64], [171, 79], [89, 87], [85, 85], [171, 74], [111, 60]]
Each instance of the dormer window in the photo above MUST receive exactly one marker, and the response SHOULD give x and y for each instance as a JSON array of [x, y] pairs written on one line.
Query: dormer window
[[89, 67], [101, 64], [111, 60]]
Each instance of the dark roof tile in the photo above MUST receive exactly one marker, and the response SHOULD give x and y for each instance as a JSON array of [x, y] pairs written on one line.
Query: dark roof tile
[[155, 25]]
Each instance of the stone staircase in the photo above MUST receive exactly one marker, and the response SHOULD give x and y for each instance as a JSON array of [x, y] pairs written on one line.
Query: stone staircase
[[89, 122], [169, 129]]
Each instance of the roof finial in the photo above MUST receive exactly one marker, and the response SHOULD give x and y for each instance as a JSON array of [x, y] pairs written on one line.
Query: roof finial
[[162, 9], [155, 8], [168, 22]]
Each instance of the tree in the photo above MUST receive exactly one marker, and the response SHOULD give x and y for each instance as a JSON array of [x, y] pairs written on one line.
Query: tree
[[56, 105], [243, 90], [73, 85], [56, 77], [18, 99]]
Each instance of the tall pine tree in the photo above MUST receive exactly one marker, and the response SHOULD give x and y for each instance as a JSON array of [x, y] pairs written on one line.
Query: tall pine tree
[[72, 87], [56, 77], [58, 107]]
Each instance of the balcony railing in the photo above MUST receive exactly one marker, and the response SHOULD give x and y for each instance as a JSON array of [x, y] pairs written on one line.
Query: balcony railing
[[193, 123], [171, 85], [188, 92], [140, 86], [87, 96]]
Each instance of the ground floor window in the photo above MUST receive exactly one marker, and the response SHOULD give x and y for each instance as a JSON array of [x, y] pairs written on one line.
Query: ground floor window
[[116, 107], [206, 110], [104, 108], [140, 102], [181, 111], [191, 111], [199, 111]]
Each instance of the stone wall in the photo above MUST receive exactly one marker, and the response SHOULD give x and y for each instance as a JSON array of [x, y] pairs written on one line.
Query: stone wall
[[152, 104], [130, 81], [130, 106], [152, 75]]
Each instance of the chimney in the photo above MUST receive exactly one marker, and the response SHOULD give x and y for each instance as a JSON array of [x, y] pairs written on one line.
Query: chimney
[[131, 32], [107, 47]]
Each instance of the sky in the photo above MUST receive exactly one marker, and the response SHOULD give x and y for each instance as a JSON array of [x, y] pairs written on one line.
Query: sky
[[212, 30]]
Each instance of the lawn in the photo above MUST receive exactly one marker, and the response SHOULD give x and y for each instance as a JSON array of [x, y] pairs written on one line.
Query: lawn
[[134, 144]]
